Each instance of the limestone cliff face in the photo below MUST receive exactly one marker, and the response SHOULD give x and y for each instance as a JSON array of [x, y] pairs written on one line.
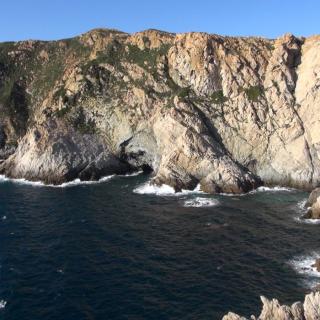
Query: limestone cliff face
[[228, 113], [272, 310]]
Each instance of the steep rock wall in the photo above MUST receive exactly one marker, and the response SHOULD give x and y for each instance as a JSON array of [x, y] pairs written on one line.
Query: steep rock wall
[[228, 113]]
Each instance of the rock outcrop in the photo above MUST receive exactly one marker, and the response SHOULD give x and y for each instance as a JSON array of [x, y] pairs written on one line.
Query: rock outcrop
[[226, 113], [272, 310], [313, 205], [316, 265]]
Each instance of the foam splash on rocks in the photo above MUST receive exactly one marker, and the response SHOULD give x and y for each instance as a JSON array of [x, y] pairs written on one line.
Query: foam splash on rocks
[[302, 210], [273, 189], [201, 202], [303, 265], [300, 219], [134, 174], [72, 183], [163, 190], [258, 190]]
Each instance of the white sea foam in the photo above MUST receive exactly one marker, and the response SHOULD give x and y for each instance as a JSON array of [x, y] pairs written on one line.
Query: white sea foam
[[2, 304], [302, 210], [163, 190], [134, 174], [303, 266], [300, 219], [21, 181], [260, 189], [75, 182], [201, 202], [301, 205], [273, 189], [148, 188]]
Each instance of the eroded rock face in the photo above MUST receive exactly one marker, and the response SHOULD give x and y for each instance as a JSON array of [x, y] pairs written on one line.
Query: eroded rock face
[[54, 154], [228, 113], [272, 310]]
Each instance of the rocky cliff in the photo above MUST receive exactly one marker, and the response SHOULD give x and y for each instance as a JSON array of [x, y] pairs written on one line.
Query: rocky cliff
[[272, 310], [228, 113]]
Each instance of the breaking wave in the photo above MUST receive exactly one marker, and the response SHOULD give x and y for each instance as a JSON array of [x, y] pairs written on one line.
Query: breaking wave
[[201, 202], [302, 210], [300, 219], [258, 190], [2, 304], [272, 189], [303, 266], [301, 205], [72, 183], [163, 190], [166, 190], [133, 174]]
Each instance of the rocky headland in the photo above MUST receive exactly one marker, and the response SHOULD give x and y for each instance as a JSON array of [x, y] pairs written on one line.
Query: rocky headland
[[223, 112], [227, 113], [273, 310]]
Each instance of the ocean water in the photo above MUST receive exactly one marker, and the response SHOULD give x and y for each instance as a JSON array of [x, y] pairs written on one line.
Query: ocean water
[[121, 249]]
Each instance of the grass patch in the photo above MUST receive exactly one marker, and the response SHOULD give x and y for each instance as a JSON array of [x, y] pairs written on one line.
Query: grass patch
[[5, 92], [62, 112], [217, 97], [184, 92], [253, 93], [146, 57], [115, 53], [76, 47], [270, 46], [84, 126]]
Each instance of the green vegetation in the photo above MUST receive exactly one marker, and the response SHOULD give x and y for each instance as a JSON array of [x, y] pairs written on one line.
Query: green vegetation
[[218, 98], [5, 92], [76, 47], [111, 55], [146, 57], [170, 104], [184, 92], [62, 112], [253, 93], [84, 126], [15, 102], [47, 73], [270, 46], [115, 53]]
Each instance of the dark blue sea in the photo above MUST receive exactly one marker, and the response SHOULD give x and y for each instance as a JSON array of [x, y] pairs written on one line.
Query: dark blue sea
[[120, 249]]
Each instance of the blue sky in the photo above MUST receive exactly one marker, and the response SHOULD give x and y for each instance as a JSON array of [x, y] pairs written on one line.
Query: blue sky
[[56, 19]]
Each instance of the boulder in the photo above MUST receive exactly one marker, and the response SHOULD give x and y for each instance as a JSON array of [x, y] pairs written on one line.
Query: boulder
[[317, 264], [313, 205]]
